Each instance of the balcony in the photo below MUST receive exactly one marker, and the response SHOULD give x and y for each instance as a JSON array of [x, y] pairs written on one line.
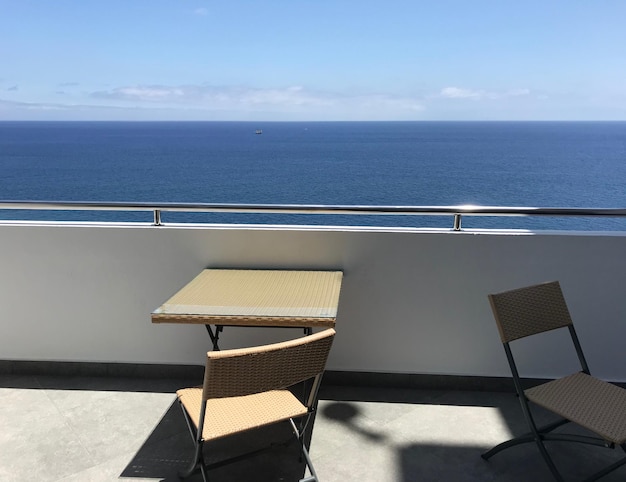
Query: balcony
[[122, 428], [417, 384]]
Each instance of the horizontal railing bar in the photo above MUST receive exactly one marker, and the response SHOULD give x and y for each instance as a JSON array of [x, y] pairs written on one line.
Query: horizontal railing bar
[[469, 210]]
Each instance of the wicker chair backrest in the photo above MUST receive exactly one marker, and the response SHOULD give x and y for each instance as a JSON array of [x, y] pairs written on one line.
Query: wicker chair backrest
[[245, 371], [527, 311]]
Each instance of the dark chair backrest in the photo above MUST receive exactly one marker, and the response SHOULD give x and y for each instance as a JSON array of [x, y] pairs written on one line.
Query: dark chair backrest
[[246, 371], [527, 311]]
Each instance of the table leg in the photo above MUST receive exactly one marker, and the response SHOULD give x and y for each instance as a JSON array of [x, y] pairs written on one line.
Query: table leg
[[215, 336]]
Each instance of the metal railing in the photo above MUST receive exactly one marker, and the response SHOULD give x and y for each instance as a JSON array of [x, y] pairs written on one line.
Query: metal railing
[[308, 209]]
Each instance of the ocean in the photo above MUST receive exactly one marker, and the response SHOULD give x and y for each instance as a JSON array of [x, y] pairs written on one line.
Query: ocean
[[539, 164]]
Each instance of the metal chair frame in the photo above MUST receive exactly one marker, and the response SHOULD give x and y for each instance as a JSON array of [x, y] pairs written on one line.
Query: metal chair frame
[[541, 434]]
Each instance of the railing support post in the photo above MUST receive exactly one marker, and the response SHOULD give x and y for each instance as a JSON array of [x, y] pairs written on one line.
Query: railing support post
[[157, 217], [457, 222]]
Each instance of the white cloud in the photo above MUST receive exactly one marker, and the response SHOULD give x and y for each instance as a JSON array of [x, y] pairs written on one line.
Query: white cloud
[[142, 93], [456, 93], [294, 96], [201, 11], [517, 92], [44, 106], [209, 102], [241, 98], [460, 93]]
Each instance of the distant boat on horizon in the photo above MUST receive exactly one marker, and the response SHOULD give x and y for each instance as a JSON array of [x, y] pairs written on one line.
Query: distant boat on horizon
[[259, 131]]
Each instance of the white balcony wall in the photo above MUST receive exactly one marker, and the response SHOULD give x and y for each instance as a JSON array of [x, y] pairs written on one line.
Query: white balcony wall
[[412, 302]]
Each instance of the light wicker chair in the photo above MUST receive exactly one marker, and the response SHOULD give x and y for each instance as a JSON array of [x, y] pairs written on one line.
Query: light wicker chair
[[579, 398], [247, 388]]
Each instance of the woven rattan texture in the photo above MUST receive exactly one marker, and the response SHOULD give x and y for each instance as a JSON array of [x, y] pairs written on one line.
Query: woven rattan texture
[[527, 311], [278, 321], [227, 416], [246, 371], [261, 289], [257, 293], [587, 401]]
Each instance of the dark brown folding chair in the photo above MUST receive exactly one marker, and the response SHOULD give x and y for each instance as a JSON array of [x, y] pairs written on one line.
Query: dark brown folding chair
[[248, 388], [580, 398]]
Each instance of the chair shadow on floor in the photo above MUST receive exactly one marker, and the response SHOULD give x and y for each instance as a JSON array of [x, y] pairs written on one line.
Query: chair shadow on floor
[[169, 450], [523, 463], [440, 436]]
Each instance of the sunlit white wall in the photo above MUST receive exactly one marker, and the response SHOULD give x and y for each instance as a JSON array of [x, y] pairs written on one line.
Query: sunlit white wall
[[412, 302]]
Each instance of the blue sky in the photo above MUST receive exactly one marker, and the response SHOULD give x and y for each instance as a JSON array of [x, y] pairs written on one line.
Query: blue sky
[[312, 60]]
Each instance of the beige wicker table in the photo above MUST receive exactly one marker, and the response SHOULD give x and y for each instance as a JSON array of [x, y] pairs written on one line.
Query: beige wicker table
[[235, 297]]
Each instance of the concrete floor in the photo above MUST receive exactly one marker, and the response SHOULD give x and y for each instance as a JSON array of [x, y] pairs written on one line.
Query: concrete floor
[[104, 429]]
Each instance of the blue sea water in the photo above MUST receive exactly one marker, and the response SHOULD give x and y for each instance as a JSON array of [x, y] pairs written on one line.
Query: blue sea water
[[541, 164]]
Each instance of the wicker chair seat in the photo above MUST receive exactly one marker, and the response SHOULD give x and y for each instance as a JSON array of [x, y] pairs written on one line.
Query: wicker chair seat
[[591, 403], [237, 414]]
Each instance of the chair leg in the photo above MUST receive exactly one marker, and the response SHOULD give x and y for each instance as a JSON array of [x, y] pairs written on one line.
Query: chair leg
[[527, 437], [303, 451], [537, 435], [204, 472], [198, 457], [548, 459], [522, 439], [309, 463], [197, 464]]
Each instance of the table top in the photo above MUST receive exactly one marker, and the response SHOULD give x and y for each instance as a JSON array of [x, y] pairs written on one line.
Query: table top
[[253, 297]]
